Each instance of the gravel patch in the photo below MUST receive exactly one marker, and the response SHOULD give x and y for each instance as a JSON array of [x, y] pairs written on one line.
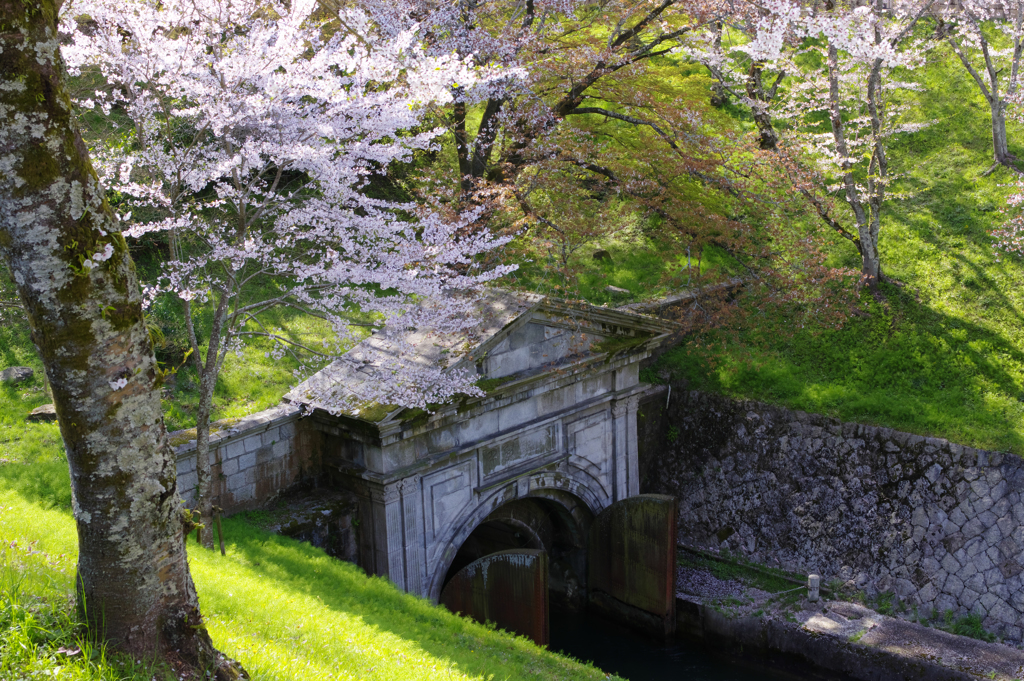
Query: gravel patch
[[701, 583]]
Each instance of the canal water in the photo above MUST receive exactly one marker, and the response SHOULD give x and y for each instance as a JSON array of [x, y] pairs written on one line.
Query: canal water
[[618, 650]]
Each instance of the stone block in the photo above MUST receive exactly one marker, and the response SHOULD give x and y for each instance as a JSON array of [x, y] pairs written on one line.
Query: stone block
[[979, 486], [973, 528], [998, 490], [235, 449], [1002, 612], [244, 493], [270, 436], [287, 430], [930, 565], [933, 473], [976, 582], [185, 465], [1008, 548], [969, 599], [945, 602], [904, 588], [15, 375], [967, 571], [993, 535], [950, 564], [994, 579], [928, 593], [988, 600], [236, 482], [282, 449], [229, 467], [957, 517], [247, 460], [252, 443], [954, 586], [981, 504], [983, 562], [187, 483]]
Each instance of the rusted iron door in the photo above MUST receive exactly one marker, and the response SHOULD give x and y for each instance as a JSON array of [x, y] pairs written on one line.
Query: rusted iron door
[[509, 588], [632, 560]]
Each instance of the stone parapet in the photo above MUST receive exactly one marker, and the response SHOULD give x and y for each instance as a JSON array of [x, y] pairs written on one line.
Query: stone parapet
[[252, 459], [938, 524]]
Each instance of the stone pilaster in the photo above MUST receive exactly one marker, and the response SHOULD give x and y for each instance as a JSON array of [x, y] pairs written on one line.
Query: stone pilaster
[[413, 539]]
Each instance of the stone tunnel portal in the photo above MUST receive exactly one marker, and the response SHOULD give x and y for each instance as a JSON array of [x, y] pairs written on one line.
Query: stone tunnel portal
[[557, 524]]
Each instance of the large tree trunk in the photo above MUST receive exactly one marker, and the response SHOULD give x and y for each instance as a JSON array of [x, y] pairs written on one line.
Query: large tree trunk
[[78, 285]]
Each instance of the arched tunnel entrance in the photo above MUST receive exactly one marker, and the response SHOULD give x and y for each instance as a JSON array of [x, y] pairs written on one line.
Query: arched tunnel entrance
[[558, 527], [533, 551]]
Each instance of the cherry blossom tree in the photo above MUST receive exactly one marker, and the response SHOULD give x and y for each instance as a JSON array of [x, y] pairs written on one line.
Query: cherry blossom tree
[[74, 276], [988, 38], [739, 70], [850, 59], [253, 130]]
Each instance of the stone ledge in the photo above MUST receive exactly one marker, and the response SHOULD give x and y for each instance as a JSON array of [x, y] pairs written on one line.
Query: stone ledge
[[254, 424], [853, 640]]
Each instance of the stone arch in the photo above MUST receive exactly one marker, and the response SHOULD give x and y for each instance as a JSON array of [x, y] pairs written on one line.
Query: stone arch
[[574, 501]]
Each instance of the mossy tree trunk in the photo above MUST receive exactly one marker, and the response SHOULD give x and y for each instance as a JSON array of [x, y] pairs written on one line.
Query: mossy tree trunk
[[78, 285]]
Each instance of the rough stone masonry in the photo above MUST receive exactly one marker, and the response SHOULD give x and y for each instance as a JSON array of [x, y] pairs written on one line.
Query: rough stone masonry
[[938, 524]]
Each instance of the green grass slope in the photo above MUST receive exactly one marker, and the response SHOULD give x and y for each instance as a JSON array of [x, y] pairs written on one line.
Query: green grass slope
[[286, 610], [942, 355]]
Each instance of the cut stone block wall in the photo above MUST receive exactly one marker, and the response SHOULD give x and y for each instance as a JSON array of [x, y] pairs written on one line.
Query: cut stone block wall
[[253, 460], [938, 524]]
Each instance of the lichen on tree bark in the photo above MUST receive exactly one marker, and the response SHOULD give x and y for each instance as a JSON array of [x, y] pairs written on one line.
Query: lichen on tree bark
[[77, 282]]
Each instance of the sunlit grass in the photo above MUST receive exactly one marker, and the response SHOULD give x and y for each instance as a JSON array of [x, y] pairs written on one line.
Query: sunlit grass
[[286, 610]]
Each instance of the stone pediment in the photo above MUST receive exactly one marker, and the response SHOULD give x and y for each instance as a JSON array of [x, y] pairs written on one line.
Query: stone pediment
[[519, 335]]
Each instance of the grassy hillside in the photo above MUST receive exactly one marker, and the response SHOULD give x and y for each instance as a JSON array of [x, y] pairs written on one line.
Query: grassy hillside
[[942, 355], [286, 610]]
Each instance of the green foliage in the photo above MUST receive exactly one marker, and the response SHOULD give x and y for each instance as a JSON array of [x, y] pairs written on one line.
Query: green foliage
[[884, 603], [965, 625]]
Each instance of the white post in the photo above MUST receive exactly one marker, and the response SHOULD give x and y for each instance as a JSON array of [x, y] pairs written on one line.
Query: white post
[[813, 582]]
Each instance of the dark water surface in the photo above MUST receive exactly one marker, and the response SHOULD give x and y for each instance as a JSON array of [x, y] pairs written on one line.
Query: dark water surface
[[618, 650]]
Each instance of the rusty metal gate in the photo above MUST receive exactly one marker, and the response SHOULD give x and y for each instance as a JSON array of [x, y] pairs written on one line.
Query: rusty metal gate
[[632, 561], [509, 588]]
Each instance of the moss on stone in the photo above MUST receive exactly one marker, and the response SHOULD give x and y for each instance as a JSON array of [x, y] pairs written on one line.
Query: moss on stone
[[615, 345]]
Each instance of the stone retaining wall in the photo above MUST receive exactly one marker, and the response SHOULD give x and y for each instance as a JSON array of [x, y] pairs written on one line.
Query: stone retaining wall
[[938, 524], [252, 459]]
